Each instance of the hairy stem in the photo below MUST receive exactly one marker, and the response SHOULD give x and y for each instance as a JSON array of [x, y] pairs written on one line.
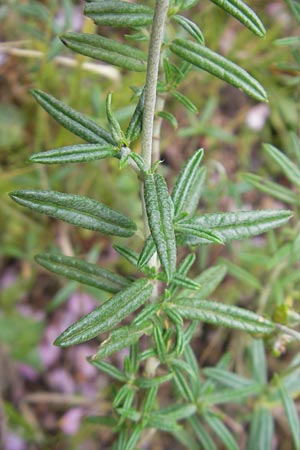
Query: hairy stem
[[150, 141], [161, 9]]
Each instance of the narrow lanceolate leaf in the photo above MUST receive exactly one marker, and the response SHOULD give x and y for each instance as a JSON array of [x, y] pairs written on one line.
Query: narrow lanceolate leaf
[[107, 50], [237, 225], [274, 189], [136, 122], [169, 117], [111, 370], [261, 430], [82, 271], [119, 13], [291, 414], [114, 125], [288, 167], [222, 315], [72, 120], [244, 14], [209, 280], [189, 26], [160, 214], [77, 210], [188, 104], [75, 153], [127, 253], [121, 338], [221, 431], [108, 315], [147, 252], [205, 59], [196, 190], [202, 435], [192, 229], [185, 182]]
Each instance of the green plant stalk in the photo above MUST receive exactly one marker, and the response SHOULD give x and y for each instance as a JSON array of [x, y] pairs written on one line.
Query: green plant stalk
[[151, 129], [160, 14]]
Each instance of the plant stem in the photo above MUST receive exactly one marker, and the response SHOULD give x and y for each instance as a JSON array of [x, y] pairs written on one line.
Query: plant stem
[[150, 150], [157, 32]]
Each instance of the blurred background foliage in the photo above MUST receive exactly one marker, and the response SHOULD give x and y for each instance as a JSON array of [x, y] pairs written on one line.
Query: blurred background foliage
[[46, 392]]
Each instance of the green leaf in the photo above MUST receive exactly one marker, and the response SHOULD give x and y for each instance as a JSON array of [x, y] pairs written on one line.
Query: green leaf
[[136, 122], [244, 14], [189, 26], [291, 414], [121, 338], [236, 395], [217, 65], [226, 378], [72, 120], [150, 399], [134, 436], [160, 344], [119, 14], [196, 189], [147, 252], [243, 275], [108, 315], [185, 181], [261, 430], [114, 125], [147, 383], [182, 385], [182, 270], [185, 101], [169, 117], [77, 210], [75, 153], [110, 370], [192, 229], [160, 422], [201, 434], [237, 225], [82, 271], [274, 189], [208, 280], [107, 50], [221, 431], [186, 439], [146, 313], [185, 4], [185, 282], [100, 421], [127, 253], [258, 363], [287, 166], [160, 215], [222, 315], [178, 412]]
